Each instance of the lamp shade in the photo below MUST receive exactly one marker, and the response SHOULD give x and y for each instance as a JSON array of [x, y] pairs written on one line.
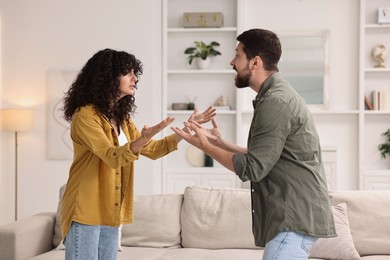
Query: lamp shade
[[16, 120]]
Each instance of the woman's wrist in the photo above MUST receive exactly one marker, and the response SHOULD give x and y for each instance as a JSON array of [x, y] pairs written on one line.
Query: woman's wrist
[[178, 137], [137, 144]]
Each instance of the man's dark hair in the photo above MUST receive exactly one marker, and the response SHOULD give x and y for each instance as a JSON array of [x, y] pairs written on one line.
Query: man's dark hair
[[262, 43]]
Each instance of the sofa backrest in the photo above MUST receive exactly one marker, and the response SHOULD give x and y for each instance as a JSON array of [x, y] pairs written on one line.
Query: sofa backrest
[[369, 219], [156, 221], [215, 218]]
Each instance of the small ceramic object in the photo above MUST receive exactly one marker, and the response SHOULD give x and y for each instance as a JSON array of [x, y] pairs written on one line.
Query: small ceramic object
[[179, 106], [379, 54]]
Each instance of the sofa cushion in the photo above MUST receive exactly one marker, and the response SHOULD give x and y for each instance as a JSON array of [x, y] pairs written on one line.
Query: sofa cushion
[[156, 221], [368, 214], [340, 247], [57, 237], [216, 218]]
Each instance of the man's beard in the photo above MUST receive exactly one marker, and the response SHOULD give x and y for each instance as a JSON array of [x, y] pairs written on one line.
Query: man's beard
[[243, 81]]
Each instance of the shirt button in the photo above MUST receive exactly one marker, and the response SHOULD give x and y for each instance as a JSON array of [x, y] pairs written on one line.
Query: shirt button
[[116, 204], [114, 154], [253, 190], [127, 161], [117, 173], [253, 211], [117, 187], [115, 143]]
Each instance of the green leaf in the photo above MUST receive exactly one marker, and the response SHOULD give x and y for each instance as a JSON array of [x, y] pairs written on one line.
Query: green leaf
[[385, 147], [189, 50]]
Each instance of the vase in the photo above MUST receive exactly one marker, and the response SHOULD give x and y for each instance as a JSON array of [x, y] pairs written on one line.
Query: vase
[[208, 161], [379, 53], [203, 64]]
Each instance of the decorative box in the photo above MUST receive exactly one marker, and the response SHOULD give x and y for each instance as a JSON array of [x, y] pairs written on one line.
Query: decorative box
[[208, 19], [384, 15]]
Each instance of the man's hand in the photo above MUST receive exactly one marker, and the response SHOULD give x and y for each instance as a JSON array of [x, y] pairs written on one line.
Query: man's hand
[[199, 139], [200, 118], [204, 117], [215, 138]]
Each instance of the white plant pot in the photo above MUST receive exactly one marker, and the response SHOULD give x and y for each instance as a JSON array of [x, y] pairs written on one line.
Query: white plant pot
[[203, 64]]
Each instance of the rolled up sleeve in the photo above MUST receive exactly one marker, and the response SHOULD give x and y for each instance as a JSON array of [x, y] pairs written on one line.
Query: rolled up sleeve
[[270, 127]]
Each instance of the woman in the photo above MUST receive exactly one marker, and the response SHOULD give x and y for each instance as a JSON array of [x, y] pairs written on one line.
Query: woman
[[99, 192]]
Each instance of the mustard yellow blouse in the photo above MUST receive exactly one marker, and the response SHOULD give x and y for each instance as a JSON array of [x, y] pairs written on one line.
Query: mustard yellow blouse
[[100, 188]]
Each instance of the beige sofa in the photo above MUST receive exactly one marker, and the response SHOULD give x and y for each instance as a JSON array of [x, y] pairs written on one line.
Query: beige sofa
[[211, 224]]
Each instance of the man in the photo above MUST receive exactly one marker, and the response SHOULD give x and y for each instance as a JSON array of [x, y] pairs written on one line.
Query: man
[[290, 204]]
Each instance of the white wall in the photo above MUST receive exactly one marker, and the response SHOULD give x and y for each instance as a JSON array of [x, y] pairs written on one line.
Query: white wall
[[41, 35]]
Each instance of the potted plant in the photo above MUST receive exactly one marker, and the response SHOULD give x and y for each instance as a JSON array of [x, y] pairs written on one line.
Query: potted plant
[[191, 103], [202, 52], [385, 147]]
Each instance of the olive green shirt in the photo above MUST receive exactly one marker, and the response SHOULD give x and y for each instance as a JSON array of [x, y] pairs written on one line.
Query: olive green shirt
[[284, 165], [99, 190]]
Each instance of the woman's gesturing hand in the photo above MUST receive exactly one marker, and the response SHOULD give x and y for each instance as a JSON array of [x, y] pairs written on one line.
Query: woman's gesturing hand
[[148, 132]]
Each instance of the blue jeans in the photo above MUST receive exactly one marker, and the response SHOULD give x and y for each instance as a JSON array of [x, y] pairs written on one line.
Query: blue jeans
[[84, 242], [289, 245]]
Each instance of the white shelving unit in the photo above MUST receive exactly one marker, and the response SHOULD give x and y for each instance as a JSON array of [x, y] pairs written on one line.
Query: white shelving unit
[[185, 83], [373, 171]]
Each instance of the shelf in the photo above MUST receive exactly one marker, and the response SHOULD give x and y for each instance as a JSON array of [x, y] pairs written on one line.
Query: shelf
[[213, 71], [335, 112], [380, 70], [377, 26], [374, 172], [321, 112], [201, 30], [181, 79], [204, 170], [189, 112], [377, 112], [377, 172]]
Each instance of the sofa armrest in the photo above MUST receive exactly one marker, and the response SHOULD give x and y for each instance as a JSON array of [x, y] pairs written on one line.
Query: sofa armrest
[[27, 237]]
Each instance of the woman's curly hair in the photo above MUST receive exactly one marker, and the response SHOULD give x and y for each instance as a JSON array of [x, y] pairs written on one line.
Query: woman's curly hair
[[98, 84]]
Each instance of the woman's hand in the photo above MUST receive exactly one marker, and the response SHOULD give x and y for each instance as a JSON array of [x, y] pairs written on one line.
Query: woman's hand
[[213, 134], [147, 134]]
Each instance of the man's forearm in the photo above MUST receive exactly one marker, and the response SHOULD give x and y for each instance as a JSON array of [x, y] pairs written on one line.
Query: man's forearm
[[222, 156], [232, 147]]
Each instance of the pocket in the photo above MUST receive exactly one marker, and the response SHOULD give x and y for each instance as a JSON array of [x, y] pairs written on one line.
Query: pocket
[[307, 243]]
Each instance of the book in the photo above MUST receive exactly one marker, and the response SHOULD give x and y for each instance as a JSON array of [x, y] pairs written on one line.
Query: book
[[379, 100], [367, 103]]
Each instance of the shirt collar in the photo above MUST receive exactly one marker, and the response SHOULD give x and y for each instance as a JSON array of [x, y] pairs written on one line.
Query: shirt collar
[[267, 84]]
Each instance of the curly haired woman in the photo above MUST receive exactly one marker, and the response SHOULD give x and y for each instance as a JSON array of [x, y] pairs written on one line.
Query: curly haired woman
[[99, 192]]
